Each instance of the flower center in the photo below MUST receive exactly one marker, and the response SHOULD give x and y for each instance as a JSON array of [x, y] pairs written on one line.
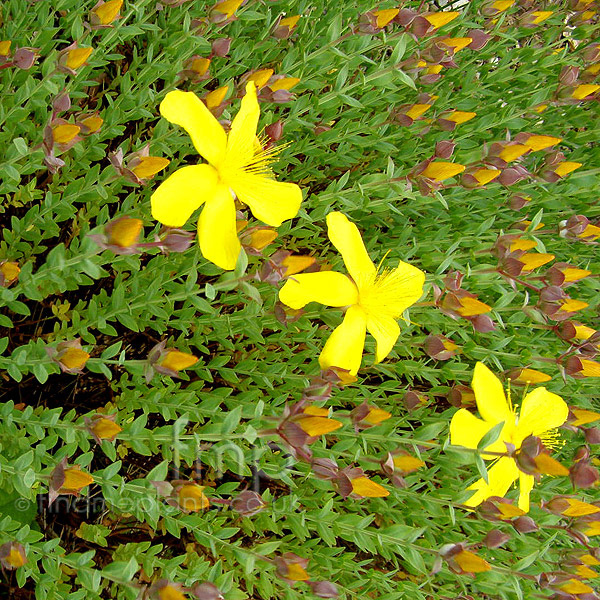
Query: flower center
[[255, 161], [383, 293]]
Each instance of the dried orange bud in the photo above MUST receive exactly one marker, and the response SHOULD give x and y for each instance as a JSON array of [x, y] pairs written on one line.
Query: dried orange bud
[[77, 57], [64, 133], [438, 171], [365, 488]]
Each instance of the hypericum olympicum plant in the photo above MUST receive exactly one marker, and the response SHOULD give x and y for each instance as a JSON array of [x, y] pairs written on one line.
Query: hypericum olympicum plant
[[541, 412], [238, 167], [375, 297]]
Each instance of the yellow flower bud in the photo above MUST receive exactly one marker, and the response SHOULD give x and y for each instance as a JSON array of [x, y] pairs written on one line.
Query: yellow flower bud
[[416, 110], [176, 360], [385, 16], [149, 166], [439, 19], [107, 12], [566, 167], [457, 43], [584, 90], [510, 153], [75, 480], [216, 97], [5, 47], [289, 22], [460, 116], [261, 77], [541, 142], [438, 171], [74, 358], [65, 133], [285, 83], [77, 57], [124, 232], [365, 488], [191, 497], [10, 272]]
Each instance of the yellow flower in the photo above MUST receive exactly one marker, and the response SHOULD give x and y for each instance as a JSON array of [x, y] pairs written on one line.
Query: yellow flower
[[236, 165], [107, 12], [75, 480], [74, 358], [407, 463], [9, 272], [541, 142], [416, 110], [541, 412], [459, 116], [573, 274], [77, 57], [191, 497], [584, 90], [438, 171], [105, 429], [439, 19], [574, 586], [296, 572], [375, 297], [520, 243], [214, 98], [169, 592], [573, 305], [566, 167]]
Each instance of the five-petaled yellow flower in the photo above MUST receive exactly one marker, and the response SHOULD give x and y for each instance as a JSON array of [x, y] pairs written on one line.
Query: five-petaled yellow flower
[[237, 166], [375, 297], [541, 412]]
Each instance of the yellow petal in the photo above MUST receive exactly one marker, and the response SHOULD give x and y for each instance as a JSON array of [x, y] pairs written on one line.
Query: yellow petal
[[376, 416], [510, 153], [296, 572], [407, 464], [346, 238], [325, 287], [541, 411], [63, 134], [150, 165], [74, 358], [168, 592], [541, 142], [459, 116], [469, 562], [458, 44], [214, 98], [217, 234], [315, 426], [525, 486], [584, 90], [590, 368], [522, 244], [577, 508], [574, 586], [566, 167], [108, 11], [192, 498], [439, 19], [285, 83], [365, 488], [438, 171], [484, 176], [77, 57], [385, 331], [467, 430], [270, 201], [5, 47], [541, 15], [532, 376], [471, 307], [10, 270], [105, 429], [501, 476], [178, 196], [176, 360], [76, 479], [345, 345], [290, 22], [501, 5], [188, 111], [416, 110], [489, 394], [261, 77], [533, 260], [385, 16], [572, 274], [241, 138], [583, 417], [573, 305]]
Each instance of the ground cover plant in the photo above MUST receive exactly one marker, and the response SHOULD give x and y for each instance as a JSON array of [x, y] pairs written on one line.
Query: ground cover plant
[[299, 299]]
